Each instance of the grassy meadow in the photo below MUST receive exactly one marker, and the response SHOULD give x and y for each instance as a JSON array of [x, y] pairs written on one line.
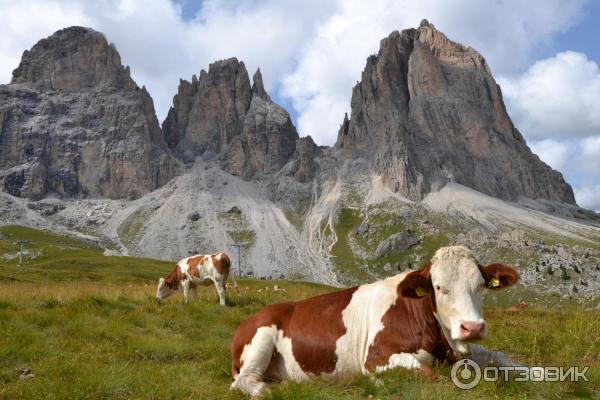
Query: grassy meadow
[[88, 327]]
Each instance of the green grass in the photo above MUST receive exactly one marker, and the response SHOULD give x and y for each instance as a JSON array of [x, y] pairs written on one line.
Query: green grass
[[344, 258], [295, 218], [246, 236], [62, 258], [88, 327], [132, 227], [237, 228], [349, 263]]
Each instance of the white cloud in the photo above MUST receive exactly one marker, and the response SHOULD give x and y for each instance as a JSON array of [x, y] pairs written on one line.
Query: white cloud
[[556, 105], [552, 152], [589, 159], [588, 197], [160, 47], [331, 62], [23, 24], [579, 161], [558, 97]]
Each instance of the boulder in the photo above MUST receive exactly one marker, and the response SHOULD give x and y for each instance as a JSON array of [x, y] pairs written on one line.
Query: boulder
[[396, 243]]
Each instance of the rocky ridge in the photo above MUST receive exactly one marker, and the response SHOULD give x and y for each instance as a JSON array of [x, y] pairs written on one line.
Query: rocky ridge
[[389, 193], [73, 123], [428, 111], [220, 114]]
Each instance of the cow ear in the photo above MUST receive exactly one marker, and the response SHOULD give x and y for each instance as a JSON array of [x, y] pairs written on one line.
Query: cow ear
[[416, 284], [498, 276]]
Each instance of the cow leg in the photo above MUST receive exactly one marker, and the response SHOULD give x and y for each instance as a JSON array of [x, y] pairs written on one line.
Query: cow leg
[[186, 290], [220, 285], [421, 360], [194, 292], [256, 359]]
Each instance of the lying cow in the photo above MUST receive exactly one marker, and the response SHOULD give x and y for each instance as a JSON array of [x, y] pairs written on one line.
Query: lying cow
[[407, 321], [193, 271]]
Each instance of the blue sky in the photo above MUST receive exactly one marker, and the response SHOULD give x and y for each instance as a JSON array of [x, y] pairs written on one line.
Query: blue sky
[[583, 37], [544, 54]]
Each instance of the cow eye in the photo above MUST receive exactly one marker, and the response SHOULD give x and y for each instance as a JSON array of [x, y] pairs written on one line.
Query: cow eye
[[438, 288]]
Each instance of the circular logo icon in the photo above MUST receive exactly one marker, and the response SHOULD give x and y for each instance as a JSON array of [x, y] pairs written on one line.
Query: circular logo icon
[[465, 374]]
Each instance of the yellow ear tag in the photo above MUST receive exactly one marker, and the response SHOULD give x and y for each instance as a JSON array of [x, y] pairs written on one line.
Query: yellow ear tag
[[421, 292], [494, 282]]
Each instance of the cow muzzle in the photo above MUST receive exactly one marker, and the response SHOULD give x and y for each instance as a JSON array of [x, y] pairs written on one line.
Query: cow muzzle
[[470, 330]]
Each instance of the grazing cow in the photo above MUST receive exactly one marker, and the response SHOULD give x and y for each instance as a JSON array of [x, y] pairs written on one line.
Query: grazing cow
[[409, 321], [193, 271]]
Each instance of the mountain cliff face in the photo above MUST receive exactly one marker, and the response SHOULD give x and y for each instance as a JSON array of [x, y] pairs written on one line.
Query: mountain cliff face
[[220, 113], [427, 123], [74, 123], [428, 111], [209, 112]]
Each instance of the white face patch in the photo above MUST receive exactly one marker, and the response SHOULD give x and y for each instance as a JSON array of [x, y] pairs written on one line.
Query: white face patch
[[458, 285], [163, 291]]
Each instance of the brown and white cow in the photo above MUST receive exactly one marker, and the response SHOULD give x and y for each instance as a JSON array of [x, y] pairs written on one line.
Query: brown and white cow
[[408, 321], [193, 271]]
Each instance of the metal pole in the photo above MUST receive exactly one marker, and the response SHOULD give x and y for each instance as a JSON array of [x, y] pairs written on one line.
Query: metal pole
[[239, 261], [239, 249], [21, 245]]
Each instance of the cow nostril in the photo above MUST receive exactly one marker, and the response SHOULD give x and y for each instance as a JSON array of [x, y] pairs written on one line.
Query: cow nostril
[[464, 330], [472, 329]]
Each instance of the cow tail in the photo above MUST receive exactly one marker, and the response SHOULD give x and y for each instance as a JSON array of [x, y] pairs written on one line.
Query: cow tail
[[235, 370]]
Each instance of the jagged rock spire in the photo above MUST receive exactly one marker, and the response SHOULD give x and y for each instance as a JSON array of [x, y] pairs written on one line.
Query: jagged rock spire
[[209, 112], [220, 113], [257, 86]]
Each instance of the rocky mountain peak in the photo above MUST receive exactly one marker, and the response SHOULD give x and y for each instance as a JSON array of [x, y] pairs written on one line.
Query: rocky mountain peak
[[73, 123], [257, 86], [428, 111], [208, 112], [71, 59], [425, 23], [221, 114]]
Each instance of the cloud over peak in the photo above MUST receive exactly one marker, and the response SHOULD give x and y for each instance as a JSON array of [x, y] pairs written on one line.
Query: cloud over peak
[[556, 97]]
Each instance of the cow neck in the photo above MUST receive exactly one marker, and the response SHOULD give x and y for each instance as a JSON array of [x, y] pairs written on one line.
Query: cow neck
[[409, 325], [446, 352], [174, 279]]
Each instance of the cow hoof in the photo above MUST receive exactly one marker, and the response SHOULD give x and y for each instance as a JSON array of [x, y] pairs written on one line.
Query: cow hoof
[[427, 372], [259, 390], [377, 382]]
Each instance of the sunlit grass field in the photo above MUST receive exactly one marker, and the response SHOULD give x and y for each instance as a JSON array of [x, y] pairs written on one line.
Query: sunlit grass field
[[88, 327]]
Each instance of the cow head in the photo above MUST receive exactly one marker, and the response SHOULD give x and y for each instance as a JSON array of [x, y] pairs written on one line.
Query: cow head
[[457, 282], [164, 290]]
